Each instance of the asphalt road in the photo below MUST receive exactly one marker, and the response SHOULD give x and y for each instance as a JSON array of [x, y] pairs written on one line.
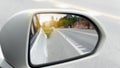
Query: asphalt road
[[111, 7], [9, 7], [68, 43]]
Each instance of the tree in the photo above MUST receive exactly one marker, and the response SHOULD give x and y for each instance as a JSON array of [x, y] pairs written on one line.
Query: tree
[[67, 21]]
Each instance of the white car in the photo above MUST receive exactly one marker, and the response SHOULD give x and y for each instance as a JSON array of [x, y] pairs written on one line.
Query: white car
[[59, 38]]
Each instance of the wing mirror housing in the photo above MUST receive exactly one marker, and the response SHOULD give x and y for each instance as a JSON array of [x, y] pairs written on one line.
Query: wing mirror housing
[[15, 35]]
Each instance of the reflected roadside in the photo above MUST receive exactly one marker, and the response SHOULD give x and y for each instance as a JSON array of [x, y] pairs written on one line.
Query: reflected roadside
[[50, 22], [56, 37]]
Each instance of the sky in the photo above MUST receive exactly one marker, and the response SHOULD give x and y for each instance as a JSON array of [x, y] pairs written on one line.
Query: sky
[[47, 17]]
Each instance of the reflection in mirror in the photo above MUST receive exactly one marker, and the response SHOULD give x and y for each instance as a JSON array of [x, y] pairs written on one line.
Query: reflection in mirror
[[55, 37]]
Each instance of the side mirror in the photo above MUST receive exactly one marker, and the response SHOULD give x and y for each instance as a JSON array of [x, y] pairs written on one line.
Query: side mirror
[[37, 38]]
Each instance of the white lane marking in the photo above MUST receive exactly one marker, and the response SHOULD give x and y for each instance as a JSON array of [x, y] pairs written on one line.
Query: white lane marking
[[75, 43], [78, 49], [62, 6], [94, 12], [39, 0]]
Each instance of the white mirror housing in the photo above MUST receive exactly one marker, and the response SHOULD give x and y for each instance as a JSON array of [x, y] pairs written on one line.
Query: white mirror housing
[[14, 36], [14, 40]]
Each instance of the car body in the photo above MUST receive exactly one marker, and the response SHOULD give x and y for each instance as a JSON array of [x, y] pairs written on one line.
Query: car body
[[106, 55]]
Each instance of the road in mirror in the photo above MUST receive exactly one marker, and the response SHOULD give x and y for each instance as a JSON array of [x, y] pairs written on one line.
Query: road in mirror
[[55, 37]]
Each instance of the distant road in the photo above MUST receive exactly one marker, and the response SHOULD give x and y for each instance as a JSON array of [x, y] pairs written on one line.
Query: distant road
[[83, 39]]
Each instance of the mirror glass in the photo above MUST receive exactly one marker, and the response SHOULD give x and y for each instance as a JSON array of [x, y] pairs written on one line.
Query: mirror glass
[[60, 36]]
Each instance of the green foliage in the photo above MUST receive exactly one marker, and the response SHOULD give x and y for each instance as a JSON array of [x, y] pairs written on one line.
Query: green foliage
[[48, 31], [67, 21]]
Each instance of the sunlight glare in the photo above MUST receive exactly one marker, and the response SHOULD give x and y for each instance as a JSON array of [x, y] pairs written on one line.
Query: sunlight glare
[[48, 17]]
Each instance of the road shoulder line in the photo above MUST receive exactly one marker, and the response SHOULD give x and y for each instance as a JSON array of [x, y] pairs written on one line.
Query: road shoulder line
[[67, 39]]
